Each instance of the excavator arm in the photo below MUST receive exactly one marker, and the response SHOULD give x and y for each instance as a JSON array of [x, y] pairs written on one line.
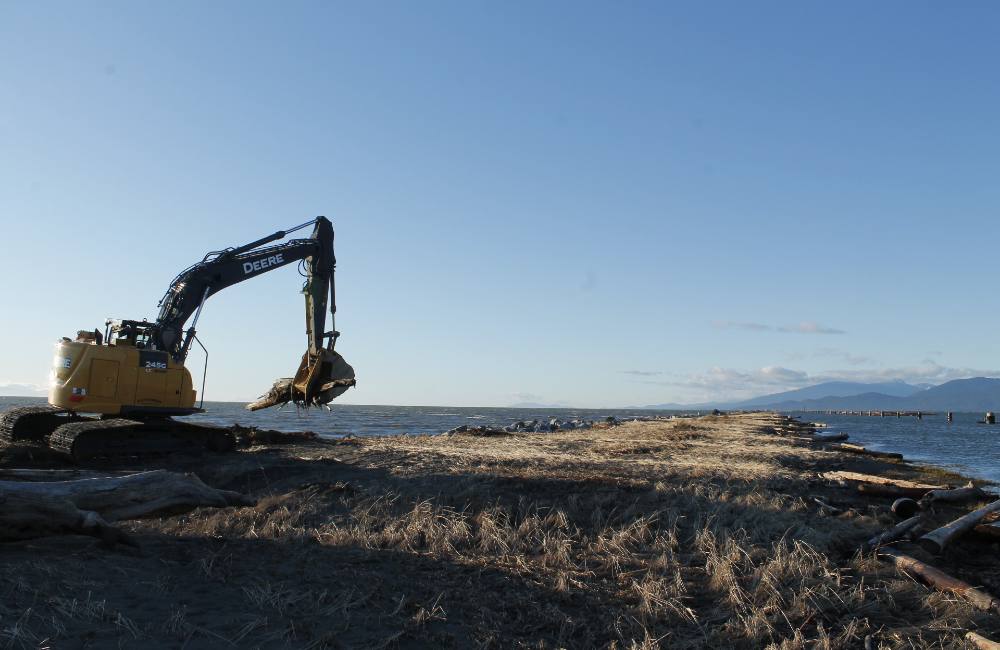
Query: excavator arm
[[323, 374]]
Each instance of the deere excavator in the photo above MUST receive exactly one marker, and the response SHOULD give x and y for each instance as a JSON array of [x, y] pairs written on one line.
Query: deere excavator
[[113, 394]]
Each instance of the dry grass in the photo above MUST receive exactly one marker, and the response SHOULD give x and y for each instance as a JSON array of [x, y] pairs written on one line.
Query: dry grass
[[681, 534]]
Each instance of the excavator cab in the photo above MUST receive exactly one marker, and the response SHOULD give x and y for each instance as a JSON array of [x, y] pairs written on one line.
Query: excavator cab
[[118, 374]]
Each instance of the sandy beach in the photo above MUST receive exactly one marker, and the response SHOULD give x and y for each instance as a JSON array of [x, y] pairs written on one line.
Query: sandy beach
[[683, 533]]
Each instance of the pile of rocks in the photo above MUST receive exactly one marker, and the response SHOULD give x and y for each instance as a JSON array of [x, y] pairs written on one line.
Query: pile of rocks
[[554, 424], [467, 430], [542, 426]]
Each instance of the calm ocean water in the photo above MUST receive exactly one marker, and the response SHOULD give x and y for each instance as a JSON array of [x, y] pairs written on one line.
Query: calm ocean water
[[963, 444], [349, 419]]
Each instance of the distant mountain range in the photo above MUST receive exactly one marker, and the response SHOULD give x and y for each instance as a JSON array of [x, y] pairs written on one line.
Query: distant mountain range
[[831, 389], [975, 394], [22, 390]]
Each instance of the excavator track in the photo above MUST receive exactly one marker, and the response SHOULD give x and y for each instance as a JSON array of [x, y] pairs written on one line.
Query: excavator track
[[30, 423], [119, 437]]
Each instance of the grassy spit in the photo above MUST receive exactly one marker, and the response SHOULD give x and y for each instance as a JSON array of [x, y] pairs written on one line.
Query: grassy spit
[[683, 534]]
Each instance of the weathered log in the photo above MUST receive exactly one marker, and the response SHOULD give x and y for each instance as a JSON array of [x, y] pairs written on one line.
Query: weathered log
[[981, 642], [26, 516], [284, 391], [882, 485], [858, 449], [7, 474], [905, 508], [892, 491], [968, 493], [878, 480], [988, 530], [794, 428], [830, 437], [936, 540], [941, 581], [324, 376], [132, 496], [280, 393], [894, 533]]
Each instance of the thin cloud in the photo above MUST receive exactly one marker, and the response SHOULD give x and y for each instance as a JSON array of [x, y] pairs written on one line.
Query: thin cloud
[[928, 372], [718, 381], [527, 397], [810, 327], [805, 327], [847, 357], [642, 373], [741, 325]]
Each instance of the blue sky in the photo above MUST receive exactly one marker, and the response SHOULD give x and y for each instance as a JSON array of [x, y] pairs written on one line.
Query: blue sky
[[594, 204]]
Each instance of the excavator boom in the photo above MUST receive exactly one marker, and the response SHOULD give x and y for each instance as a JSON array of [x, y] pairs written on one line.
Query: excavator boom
[[221, 269], [322, 373]]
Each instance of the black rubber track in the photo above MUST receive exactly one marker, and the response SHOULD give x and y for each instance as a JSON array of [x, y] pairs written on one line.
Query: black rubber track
[[119, 437], [89, 438], [30, 423]]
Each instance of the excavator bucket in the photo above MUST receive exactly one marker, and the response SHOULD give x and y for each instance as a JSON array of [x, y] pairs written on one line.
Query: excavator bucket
[[323, 377], [320, 379]]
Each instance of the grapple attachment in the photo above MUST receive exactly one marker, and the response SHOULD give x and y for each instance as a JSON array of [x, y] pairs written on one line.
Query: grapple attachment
[[320, 379]]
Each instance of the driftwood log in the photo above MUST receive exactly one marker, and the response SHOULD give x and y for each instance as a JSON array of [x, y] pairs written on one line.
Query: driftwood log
[[796, 428], [941, 580], [894, 533], [980, 642], [34, 509], [877, 480], [881, 485], [324, 377], [936, 540], [892, 491], [968, 493], [26, 516], [830, 437], [905, 508], [858, 449], [283, 391], [988, 530], [7, 474]]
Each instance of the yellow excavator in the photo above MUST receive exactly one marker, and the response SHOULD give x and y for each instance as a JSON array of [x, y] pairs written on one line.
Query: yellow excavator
[[113, 394]]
